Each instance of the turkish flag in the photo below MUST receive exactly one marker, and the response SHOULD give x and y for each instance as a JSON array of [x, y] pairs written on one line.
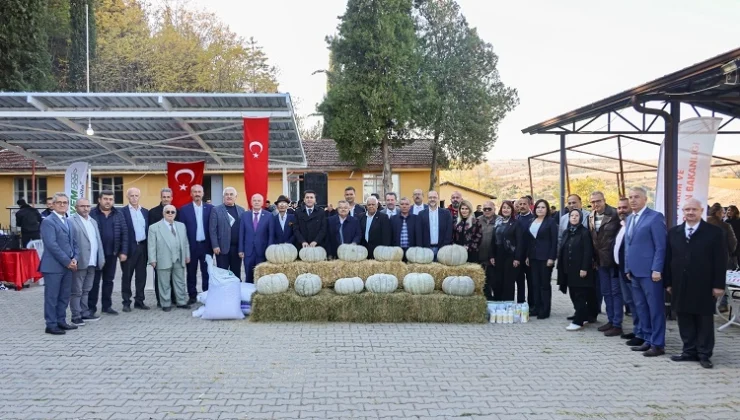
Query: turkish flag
[[180, 177], [256, 156]]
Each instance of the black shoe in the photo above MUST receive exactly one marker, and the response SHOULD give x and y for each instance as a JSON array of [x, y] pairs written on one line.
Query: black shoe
[[183, 306], [141, 306], [78, 321], [571, 318], [66, 326], [55, 331], [159, 304], [628, 336], [643, 348], [534, 314], [683, 357], [91, 318], [126, 308], [592, 320], [654, 352], [192, 301], [543, 316], [706, 363], [111, 311], [167, 309], [637, 341]]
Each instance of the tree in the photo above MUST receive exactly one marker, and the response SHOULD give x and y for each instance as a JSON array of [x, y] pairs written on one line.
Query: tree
[[57, 31], [25, 64], [77, 76], [462, 97], [585, 186], [371, 98]]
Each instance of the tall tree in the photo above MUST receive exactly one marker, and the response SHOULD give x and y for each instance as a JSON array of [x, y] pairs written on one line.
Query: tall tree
[[25, 64], [371, 98], [462, 96], [57, 31], [78, 20]]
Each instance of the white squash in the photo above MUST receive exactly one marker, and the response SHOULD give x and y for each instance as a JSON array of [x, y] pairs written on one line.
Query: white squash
[[418, 283], [281, 253], [458, 286], [312, 254], [419, 255], [349, 286], [382, 283], [307, 284], [452, 255], [352, 252], [388, 253], [272, 283]]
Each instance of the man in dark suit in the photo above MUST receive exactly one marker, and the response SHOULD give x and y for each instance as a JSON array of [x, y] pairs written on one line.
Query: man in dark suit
[[282, 222], [644, 258], [343, 229], [223, 229], [405, 228], [355, 210], [310, 227], [114, 235], [695, 264], [28, 219], [375, 227], [136, 218], [156, 214], [524, 217], [254, 236], [58, 263], [436, 225], [195, 216]]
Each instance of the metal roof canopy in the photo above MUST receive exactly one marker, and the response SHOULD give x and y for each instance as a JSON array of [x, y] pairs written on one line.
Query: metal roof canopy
[[713, 84], [142, 131]]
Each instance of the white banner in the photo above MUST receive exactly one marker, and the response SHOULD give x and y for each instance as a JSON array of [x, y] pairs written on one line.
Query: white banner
[[75, 180], [695, 146]]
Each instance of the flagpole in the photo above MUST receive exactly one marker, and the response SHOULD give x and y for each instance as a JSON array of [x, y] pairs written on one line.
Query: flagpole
[[89, 185]]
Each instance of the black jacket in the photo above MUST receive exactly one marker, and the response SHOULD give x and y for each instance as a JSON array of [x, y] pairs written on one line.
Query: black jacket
[[511, 240], [28, 219], [380, 232], [310, 228], [113, 230], [156, 214], [575, 255]]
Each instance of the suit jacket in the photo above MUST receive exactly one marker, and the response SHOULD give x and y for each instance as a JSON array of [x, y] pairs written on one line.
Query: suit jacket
[[359, 211], [386, 212], [162, 245], [128, 248], [219, 228], [350, 232], [512, 241], [445, 227], [645, 247], [282, 235], [60, 246], [251, 241], [413, 225], [155, 215], [380, 232], [694, 267], [545, 245], [310, 228], [84, 244], [186, 215]]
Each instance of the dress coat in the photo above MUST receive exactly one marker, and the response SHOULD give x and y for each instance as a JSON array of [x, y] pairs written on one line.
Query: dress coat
[[310, 228], [380, 232], [694, 267], [545, 246]]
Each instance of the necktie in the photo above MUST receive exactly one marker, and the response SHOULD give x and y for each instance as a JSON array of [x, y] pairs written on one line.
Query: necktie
[[691, 232], [341, 234], [309, 211], [255, 221], [172, 229], [632, 226]]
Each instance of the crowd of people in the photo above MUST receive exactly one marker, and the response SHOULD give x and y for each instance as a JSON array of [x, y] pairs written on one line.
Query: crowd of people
[[620, 256]]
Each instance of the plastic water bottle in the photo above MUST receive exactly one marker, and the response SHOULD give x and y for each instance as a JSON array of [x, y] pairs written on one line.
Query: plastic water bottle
[[510, 316], [525, 312]]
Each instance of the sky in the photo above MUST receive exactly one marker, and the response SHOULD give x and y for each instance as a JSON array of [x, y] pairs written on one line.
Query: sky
[[559, 55]]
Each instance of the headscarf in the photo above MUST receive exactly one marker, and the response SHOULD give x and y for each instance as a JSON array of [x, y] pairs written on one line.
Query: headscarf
[[571, 227]]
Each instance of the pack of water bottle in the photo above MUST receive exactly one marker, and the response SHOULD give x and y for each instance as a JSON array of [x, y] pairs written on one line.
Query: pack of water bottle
[[733, 278], [508, 312]]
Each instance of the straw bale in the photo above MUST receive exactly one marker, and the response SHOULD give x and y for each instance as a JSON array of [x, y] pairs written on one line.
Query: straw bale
[[368, 307]]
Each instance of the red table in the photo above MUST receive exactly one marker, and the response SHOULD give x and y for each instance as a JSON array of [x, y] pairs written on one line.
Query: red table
[[18, 267]]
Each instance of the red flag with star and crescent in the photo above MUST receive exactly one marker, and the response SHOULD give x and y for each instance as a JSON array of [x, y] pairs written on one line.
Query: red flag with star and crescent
[[180, 177], [256, 156]]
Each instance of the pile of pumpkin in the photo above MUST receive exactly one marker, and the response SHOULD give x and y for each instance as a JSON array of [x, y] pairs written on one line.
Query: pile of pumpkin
[[417, 283]]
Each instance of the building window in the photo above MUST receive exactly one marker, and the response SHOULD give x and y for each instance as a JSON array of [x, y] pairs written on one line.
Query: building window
[[112, 183], [23, 189], [373, 183]]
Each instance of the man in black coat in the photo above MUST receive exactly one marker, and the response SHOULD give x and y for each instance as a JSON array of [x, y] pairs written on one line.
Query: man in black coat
[[375, 227], [28, 219], [310, 227], [695, 264]]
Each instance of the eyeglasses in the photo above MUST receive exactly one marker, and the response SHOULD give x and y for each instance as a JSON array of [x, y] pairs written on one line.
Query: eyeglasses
[[64, 203], [170, 212], [487, 209]]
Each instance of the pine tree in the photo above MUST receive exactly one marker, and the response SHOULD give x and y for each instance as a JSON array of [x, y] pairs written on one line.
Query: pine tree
[[25, 64]]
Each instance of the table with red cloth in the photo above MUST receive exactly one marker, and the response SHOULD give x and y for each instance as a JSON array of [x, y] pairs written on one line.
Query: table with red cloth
[[19, 266]]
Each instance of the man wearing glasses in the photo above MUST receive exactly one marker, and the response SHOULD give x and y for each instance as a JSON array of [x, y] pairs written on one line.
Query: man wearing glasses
[[488, 227], [58, 264], [169, 253]]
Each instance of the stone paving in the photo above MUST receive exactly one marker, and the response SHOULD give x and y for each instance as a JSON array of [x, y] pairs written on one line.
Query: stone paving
[[156, 365]]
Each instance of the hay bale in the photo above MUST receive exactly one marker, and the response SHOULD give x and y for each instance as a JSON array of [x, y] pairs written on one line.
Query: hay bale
[[441, 271], [366, 307]]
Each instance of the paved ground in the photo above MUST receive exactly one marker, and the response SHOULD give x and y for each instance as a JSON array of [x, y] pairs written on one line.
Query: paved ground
[[155, 365]]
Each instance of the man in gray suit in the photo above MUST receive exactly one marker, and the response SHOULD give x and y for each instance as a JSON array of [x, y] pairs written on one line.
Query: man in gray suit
[[223, 227], [169, 253], [91, 258], [58, 263]]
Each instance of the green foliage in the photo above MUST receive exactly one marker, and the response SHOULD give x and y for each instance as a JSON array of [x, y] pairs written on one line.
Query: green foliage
[[25, 63], [77, 75], [585, 186], [57, 30]]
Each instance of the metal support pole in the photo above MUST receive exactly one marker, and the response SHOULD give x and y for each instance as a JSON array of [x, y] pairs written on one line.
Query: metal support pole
[[671, 167], [33, 183], [567, 178], [89, 185], [621, 166], [619, 189], [531, 185], [563, 164]]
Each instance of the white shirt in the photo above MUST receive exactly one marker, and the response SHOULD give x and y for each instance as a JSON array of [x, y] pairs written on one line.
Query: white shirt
[[281, 218], [200, 234], [416, 209], [434, 226], [390, 212], [367, 227], [62, 217], [92, 234], [137, 218], [618, 242], [352, 210], [694, 228], [534, 227]]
